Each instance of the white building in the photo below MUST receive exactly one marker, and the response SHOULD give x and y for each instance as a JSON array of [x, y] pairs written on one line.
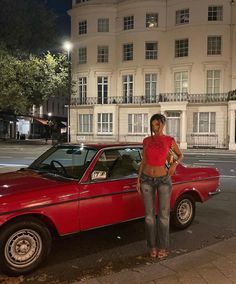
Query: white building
[[134, 58]]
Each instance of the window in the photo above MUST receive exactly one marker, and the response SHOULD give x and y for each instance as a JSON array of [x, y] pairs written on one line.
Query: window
[[102, 54], [85, 123], [128, 52], [181, 48], [215, 13], [128, 23], [181, 82], [119, 163], [182, 17], [82, 90], [82, 55], [214, 45], [127, 81], [150, 87], [138, 123], [213, 81], [204, 122], [82, 27], [151, 20], [151, 50], [103, 25], [102, 89], [105, 123]]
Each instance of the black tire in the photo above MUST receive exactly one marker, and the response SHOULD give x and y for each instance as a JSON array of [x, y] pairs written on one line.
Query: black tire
[[24, 245], [184, 212]]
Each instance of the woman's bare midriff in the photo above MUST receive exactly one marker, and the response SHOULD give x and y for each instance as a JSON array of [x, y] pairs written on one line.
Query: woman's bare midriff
[[154, 171]]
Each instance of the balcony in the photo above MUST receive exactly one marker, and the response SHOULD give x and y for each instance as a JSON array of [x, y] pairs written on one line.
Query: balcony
[[162, 97]]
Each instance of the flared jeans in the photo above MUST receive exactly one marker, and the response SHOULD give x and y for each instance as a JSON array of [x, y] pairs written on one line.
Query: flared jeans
[[157, 228]]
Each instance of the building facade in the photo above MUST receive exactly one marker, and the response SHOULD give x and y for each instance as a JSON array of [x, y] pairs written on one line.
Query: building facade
[[134, 58]]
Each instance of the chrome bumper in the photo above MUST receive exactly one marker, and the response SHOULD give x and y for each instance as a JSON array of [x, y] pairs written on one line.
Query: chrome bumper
[[214, 192]]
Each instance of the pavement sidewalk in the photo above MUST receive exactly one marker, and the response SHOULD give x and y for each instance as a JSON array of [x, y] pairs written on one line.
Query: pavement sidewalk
[[214, 264]]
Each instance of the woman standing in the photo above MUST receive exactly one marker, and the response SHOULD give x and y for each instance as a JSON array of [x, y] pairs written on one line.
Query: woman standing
[[154, 176]]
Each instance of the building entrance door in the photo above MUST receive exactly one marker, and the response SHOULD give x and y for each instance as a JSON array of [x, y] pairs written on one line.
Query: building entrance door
[[173, 125]]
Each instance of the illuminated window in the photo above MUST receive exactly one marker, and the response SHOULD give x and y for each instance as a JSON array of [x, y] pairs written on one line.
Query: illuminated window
[[151, 20]]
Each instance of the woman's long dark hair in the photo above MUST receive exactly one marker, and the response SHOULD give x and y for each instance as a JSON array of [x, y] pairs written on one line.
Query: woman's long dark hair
[[159, 117]]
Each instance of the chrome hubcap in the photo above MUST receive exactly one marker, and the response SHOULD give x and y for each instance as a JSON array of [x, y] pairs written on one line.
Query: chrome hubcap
[[23, 248], [185, 211]]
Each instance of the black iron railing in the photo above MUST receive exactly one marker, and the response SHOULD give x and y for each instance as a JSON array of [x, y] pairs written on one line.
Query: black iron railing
[[162, 97]]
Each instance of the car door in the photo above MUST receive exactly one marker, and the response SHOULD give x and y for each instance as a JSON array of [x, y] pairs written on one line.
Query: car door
[[109, 199]]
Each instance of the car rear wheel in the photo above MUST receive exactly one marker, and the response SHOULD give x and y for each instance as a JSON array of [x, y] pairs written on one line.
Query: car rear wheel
[[184, 212], [24, 245]]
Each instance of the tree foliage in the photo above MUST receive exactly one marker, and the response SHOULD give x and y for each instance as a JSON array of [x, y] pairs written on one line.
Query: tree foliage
[[29, 81], [26, 26]]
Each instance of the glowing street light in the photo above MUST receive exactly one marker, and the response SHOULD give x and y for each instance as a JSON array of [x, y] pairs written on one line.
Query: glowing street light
[[68, 47]]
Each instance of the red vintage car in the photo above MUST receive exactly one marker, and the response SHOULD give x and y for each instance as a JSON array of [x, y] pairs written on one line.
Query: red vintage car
[[73, 188]]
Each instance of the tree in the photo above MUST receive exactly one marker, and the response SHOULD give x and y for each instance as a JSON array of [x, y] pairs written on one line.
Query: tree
[[30, 81], [27, 26]]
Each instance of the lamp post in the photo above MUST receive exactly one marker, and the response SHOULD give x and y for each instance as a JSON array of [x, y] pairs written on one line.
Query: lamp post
[[68, 47]]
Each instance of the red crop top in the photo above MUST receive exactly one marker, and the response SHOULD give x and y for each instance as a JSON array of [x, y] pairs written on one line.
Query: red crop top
[[156, 149]]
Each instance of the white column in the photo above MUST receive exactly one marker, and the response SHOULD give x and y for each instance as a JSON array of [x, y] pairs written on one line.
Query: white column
[[183, 142], [232, 144]]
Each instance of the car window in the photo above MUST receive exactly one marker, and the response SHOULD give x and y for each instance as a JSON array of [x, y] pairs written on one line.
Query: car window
[[119, 163], [68, 161]]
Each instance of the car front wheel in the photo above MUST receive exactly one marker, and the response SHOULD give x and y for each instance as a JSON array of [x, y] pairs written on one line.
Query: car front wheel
[[184, 212], [24, 245]]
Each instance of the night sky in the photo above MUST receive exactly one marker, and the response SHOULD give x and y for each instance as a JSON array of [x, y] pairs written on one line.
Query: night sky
[[60, 8]]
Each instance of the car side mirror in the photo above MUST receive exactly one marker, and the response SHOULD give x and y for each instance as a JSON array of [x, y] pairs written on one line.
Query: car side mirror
[[98, 175]]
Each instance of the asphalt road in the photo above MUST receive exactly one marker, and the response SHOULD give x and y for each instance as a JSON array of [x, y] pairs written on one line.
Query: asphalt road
[[100, 251]]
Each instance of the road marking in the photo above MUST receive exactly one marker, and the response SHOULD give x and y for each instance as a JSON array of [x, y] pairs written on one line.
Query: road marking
[[13, 165], [208, 164], [218, 161], [6, 157], [224, 176]]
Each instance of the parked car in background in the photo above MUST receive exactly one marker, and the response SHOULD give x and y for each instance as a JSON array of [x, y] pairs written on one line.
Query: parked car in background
[[73, 188]]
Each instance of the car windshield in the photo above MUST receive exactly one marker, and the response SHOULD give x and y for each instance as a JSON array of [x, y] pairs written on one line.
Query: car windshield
[[68, 161]]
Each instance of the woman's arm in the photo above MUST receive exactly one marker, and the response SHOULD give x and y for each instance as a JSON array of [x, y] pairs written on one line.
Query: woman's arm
[[178, 153]]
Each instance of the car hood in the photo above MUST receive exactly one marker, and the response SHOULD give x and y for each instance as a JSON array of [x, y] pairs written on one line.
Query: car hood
[[27, 180]]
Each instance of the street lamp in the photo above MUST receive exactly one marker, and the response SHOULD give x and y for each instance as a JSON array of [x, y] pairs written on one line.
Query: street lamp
[[68, 47]]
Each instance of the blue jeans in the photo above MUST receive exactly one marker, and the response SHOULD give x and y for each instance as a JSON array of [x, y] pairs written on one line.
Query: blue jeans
[[157, 229]]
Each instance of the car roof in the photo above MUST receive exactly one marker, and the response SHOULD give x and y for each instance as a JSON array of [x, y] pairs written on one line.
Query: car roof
[[99, 146]]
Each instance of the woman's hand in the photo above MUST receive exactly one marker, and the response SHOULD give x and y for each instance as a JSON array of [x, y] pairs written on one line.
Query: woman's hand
[[138, 187], [172, 169]]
